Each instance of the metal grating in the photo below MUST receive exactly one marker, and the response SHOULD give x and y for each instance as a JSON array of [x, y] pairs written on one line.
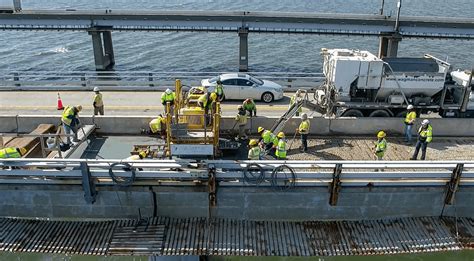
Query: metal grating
[[200, 236]]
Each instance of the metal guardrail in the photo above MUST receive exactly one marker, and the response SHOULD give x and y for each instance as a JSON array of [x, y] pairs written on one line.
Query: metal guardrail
[[134, 80]]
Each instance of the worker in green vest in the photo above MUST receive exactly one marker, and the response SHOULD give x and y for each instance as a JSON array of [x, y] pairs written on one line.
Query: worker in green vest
[[206, 102], [168, 96], [267, 139], [70, 121], [296, 97], [280, 152], [250, 107], [219, 90], [380, 145], [157, 125], [425, 136], [303, 129], [241, 121], [12, 153], [254, 151], [409, 122], [98, 102]]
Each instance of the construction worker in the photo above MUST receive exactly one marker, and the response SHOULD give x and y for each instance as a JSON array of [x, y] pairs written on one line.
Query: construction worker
[[380, 145], [296, 97], [425, 136], [70, 121], [219, 90], [12, 153], [303, 129], [157, 125], [168, 96], [206, 101], [250, 107], [254, 151], [98, 103], [241, 120], [141, 155], [409, 122], [267, 139], [280, 152]]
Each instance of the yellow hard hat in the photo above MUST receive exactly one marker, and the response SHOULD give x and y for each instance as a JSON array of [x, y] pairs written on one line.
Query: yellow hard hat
[[142, 154], [381, 134], [281, 134], [260, 129], [79, 107], [213, 96], [253, 142], [23, 151]]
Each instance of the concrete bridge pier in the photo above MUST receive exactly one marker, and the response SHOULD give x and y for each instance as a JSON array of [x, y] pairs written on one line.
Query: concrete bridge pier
[[243, 49], [388, 45], [103, 49]]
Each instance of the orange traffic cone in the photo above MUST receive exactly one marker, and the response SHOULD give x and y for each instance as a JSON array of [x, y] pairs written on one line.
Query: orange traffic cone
[[60, 103]]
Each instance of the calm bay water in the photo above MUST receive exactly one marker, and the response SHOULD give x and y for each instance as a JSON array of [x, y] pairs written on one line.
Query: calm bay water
[[171, 51]]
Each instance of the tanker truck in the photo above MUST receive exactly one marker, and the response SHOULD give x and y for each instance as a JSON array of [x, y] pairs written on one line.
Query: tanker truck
[[359, 84]]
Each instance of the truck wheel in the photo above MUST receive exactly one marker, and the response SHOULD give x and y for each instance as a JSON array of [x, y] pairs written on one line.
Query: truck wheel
[[353, 113], [379, 113]]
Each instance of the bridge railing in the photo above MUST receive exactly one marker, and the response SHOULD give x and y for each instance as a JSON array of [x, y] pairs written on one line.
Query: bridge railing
[[135, 80], [277, 174]]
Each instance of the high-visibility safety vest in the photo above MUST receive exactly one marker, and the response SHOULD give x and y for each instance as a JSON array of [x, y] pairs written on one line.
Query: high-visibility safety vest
[[249, 106], [410, 116], [254, 153], [167, 98], [8, 153], [426, 134], [219, 90], [304, 127], [293, 101], [204, 100], [380, 147], [155, 124], [68, 115], [267, 136], [281, 149], [241, 119], [98, 102]]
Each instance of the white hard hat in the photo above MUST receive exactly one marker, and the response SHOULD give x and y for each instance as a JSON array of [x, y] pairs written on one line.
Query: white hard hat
[[96, 89], [410, 107], [168, 91], [425, 122], [304, 116]]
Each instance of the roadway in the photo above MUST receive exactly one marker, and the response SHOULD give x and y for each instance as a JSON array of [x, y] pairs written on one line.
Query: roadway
[[116, 103]]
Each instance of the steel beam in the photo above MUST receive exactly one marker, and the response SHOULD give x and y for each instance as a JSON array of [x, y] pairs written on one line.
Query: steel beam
[[243, 49]]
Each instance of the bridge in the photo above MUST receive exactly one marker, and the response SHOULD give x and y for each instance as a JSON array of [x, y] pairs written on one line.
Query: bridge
[[100, 23]]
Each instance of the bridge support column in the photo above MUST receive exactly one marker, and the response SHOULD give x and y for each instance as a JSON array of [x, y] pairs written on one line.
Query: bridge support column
[[243, 49], [103, 49], [388, 45]]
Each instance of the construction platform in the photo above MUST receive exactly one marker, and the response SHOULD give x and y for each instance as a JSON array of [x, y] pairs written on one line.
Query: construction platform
[[228, 237]]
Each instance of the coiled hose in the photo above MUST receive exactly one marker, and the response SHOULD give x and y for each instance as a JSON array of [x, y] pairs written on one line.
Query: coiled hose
[[254, 174], [122, 181], [281, 180]]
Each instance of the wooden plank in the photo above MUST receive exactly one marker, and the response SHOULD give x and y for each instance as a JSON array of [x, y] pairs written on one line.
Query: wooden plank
[[30, 142]]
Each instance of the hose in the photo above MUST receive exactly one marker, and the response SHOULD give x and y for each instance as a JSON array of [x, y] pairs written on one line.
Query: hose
[[285, 182], [122, 181], [254, 174]]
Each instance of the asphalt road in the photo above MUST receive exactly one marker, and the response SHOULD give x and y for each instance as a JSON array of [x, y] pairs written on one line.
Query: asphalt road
[[116, 103]]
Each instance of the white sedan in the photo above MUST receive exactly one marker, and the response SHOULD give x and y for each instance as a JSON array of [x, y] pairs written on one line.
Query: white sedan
[[239, 86]]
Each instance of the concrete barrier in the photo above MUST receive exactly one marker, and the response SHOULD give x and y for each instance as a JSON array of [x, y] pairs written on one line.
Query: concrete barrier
[[132, 125]]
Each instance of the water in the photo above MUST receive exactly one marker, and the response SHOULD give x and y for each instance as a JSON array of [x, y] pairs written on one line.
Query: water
[[171, 51]]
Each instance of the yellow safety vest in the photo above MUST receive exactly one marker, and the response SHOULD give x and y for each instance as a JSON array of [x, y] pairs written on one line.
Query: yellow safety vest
[[98, 100], [254, 153], [267, 136], [203, 100], [7, 153], [155, 124], [304, 127], [380, 147], [281, 149], [68, 115], [167, 98], [241, 119], [219, 90], [292, 101], [426, 135], [410, 116]]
